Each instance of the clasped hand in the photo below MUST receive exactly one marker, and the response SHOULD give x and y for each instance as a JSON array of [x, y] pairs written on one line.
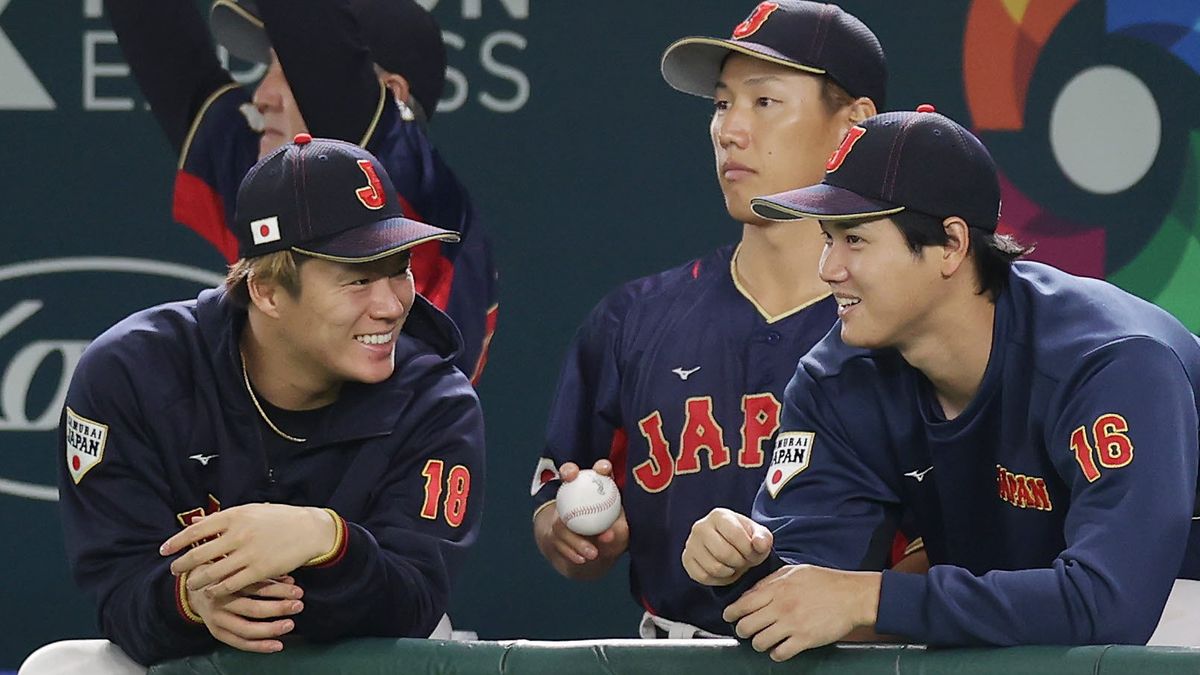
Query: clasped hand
[[800, 607], [723, 546], [237, 571]]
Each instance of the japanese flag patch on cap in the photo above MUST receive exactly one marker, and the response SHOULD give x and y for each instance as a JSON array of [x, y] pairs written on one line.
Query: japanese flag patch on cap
[[793, 450], [85, 444], [265, 230]]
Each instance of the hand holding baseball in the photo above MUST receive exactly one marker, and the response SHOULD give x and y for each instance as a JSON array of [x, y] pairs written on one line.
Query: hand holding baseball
[[574, 555], [723, 546]]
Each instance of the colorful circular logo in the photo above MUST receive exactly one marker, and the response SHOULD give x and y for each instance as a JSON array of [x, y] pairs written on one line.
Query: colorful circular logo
[[1090, 109]]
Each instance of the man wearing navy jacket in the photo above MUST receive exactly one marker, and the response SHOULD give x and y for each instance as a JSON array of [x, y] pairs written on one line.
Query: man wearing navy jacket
[[1040, 428], [291, 454]]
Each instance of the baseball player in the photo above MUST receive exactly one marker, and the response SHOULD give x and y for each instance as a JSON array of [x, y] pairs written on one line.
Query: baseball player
[[293, 454], [674, 382], [1041, 427], [365, 71]]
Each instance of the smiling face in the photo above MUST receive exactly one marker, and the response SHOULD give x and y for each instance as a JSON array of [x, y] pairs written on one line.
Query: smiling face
[[886, 294], [771, 131], [343, 323], [281, 114]]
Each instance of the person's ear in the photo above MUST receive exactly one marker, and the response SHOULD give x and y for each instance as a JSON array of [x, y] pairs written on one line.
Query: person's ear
[[860, 109], [957, 248], [264, 295], [398, 85]]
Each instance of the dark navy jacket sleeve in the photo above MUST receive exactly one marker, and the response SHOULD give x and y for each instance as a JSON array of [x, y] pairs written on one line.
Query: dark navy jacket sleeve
[[327, 66], [837, 510], [585, 422], [203, 113], [168, 49], [1125, 442], [116, 513], [829, 506], [408, 538]]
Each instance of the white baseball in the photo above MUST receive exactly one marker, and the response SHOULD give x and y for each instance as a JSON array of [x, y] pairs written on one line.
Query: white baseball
[[589, 504]]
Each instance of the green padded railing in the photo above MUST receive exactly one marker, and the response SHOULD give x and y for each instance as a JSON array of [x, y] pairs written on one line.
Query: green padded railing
[[382, 656]]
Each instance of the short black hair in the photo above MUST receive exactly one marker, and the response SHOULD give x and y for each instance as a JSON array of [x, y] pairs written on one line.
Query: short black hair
[[994, 253]]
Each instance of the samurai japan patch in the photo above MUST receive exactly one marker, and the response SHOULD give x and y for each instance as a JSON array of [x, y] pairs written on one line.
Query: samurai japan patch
[[85, 444], [793, 449]]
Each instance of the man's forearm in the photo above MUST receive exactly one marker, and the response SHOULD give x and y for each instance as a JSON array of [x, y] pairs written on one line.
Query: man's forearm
[[167, 46]]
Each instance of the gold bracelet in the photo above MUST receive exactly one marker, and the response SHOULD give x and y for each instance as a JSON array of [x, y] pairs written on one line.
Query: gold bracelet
[[339, 540], [181, 599]]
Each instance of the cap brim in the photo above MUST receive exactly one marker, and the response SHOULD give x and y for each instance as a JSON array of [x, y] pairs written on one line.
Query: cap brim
[[693, 65], [239, 31], [823, 202], [372, 242]]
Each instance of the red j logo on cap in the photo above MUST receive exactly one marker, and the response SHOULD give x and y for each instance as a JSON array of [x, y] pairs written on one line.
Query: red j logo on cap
[[372, 196], [755, 21], [839, 155]]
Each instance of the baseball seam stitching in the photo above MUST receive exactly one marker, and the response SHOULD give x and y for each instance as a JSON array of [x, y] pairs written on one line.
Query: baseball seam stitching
[[590, 509]]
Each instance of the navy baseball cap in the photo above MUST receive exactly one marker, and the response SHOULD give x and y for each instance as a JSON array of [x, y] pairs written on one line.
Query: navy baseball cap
[[812, 37], [402, 36], [326, 199], [922, 161]]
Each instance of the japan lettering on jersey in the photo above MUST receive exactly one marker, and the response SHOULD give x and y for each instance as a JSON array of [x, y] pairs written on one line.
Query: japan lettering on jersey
[[702, 433]]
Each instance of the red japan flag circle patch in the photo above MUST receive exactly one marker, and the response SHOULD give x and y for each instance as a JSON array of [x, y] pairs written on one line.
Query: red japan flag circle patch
[[265, 230]]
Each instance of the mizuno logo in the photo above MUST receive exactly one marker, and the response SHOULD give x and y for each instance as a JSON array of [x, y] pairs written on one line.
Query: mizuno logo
[[203, 459], [918, 475], [685, 374]]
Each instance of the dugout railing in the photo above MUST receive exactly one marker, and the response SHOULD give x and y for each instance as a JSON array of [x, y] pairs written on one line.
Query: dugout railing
[[380, 656]]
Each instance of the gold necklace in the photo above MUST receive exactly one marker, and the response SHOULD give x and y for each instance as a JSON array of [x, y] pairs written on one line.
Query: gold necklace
[[257, 406]]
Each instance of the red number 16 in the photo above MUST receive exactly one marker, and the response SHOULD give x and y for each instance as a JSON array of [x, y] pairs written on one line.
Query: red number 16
[[1113, 447]]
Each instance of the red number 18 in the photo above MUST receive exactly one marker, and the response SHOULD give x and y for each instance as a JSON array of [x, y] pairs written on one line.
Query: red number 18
[[457, 488]]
